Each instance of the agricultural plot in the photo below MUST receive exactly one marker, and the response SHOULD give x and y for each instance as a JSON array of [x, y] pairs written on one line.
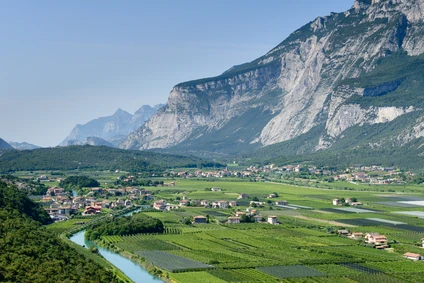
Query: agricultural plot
[[419, 214], [366, 222], [283, 272], [112, 239], [360, 268], [149, 245], [242, 275], [196, 277], [335, 210], [300, 206], [172, 262], [387, 221], [355, 210], [403, 198], [214, 213], [414, 202], [398, 204]]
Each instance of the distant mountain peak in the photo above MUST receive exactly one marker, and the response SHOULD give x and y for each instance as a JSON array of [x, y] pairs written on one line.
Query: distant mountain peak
[[121, 112], [112, 128], [23, 145]]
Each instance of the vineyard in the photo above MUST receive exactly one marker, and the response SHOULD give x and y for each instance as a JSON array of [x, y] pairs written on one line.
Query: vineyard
[[224, 253]]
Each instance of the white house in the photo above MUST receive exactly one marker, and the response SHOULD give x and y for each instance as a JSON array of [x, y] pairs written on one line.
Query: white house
[[272, 220], [336, 201], [413, 256]]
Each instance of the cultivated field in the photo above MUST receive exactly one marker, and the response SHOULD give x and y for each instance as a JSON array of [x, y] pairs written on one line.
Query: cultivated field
[[303, 247]]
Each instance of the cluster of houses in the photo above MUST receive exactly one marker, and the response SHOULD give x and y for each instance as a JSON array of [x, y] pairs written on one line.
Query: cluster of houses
[[132, 193], [256, 218], [375, 239], [347, 201], [163, 205], [237, 218], [60, 205]]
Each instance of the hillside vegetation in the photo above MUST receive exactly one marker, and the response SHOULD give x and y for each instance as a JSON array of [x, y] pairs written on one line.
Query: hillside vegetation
[[30, 254], [93, 157]]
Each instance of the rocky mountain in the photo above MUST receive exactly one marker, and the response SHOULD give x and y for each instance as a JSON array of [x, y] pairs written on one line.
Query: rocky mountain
[[4, 145], [112, 128], [23, 145], [345, 80], [94, 141]]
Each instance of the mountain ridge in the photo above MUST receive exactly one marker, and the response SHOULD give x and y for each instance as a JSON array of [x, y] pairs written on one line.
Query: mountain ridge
[[23, 145]]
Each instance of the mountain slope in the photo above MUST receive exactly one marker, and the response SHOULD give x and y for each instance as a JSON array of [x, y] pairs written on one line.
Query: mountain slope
[[339, 72], [4, 145], [23, 145], [112, 128]]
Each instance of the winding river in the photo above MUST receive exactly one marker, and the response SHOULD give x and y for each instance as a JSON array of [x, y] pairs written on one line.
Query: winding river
[[130, 268]]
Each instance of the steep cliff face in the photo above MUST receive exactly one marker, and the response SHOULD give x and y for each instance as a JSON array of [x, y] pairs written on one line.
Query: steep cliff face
[[312, 80], [112, 128]]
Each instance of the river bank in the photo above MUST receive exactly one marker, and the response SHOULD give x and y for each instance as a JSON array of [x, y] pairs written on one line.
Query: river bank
[[128, 267]]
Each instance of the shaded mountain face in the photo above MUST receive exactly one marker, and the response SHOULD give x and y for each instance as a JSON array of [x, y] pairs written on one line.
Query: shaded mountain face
[[23, 145], [4, 145], [112, 128], [341, 73]]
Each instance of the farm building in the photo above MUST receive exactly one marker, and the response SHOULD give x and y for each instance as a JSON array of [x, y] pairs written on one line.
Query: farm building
[[183, 202], [336, 201], [233, 220], [91, 210], [356, 235], [272, 220], [159, 205], [343, 232], [216, 189], [281, 202], [199, 220], [204, 202], [242, 196], [233, 203], [222, 204], [413, 256], [254, 212]]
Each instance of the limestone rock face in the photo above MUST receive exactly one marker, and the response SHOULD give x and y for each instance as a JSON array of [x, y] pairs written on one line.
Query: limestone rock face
[[302, 83]]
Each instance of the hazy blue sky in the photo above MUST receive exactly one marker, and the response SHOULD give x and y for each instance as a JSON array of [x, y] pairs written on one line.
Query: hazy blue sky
[[67, 62]]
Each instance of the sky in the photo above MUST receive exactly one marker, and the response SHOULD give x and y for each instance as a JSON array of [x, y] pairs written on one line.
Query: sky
[[67, 62]]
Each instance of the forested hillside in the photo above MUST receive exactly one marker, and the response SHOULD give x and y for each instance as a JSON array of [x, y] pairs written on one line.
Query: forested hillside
[[95, 157], [30, 254]]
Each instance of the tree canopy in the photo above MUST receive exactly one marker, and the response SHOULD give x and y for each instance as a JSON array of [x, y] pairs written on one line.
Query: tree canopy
[[137, 223], [31, 254]]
